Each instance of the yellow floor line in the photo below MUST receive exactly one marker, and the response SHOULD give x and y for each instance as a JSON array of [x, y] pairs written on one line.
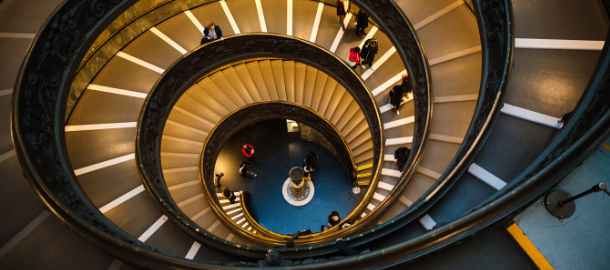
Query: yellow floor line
[[605, 145], [529, 248]]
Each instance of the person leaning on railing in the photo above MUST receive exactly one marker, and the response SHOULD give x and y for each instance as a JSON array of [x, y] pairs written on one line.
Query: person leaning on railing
[[211, 32]]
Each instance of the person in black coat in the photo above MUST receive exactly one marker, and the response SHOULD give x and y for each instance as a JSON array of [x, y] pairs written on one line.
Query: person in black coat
[[345, 249], [229, 195], [369, 50], [396, 97], [401, 155], [333, 219], [311, 159], [341, 11], [362, 22], [243, 170], [211, 32]]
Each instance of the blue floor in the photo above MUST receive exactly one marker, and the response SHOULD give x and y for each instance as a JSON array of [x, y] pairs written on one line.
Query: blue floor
[[274, 155]]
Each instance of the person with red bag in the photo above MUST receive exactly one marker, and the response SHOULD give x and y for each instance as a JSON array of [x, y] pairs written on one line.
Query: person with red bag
[[354, 57], [248, 151]]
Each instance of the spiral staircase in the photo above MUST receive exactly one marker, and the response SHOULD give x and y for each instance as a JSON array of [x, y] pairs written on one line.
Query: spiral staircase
[[446, 186]]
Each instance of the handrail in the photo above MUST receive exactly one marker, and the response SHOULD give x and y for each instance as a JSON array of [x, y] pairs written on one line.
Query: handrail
[[497, 40], [244, 116], [194, 65], [38, 119], [255, 225]]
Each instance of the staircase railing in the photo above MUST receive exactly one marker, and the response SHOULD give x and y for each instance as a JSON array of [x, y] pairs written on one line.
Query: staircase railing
[[39, 109]]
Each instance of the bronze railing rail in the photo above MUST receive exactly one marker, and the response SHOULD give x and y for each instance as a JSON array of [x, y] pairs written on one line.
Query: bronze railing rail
[[245, 116], [198, 63]]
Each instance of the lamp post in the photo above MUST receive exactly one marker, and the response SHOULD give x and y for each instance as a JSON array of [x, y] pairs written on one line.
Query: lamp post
[[561, 204]]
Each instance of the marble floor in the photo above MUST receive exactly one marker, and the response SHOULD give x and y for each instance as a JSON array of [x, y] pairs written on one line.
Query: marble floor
[[274, 155]]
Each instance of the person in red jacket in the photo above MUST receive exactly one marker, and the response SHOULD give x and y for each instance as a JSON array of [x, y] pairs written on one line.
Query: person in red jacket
[[354, 57], [248, 151]]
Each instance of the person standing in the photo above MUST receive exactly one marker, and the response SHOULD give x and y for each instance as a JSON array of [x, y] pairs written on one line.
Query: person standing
[[311, 159], [369, 50], [362, 22], [211, 32], [333, 219], [401, 155], [396, 97], [229, 195], [248, 151], [243, 170], [354, 57], [342, 8]]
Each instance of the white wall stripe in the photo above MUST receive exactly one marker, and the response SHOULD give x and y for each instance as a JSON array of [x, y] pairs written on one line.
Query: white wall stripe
[[170, 138], [438, 14], [455, 55], [183, 169], [190, 200], [192, 129], [559, 44], [7, 155], [183, 185], [116, 265], [193, 116], [148, 233], [104, 164], [214, 226], [385, 186], [17, 35], [168, 40], [368, 36], [445, 138], [428, 172], [388, 106], [230, 237], [289, 19], [100, 126], [261, 16], [378, 197], [200, 214], [140, 62], [116, 91], [397, 141], [486, 176], [316, 23], [405, 201], [531, 116], [390, 172], [182, 155], [378, 63], [399, 122], [371, 207], [118, 201], [24, 232], [193, 251], [389, 83], [6, 92], [195, 21], [227, 11], [337, 41], [427, 222], [456, 98]]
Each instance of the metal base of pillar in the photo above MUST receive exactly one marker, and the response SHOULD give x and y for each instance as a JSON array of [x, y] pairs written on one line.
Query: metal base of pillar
[[551, 201]]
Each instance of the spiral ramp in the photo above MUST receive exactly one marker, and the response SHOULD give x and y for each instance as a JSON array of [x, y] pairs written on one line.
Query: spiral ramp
[[101, 130]]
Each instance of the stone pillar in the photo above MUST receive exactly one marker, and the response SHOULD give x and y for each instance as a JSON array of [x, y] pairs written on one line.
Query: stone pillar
[[297, 185]]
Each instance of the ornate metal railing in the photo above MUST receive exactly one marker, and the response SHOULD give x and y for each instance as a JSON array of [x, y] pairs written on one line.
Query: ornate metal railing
[[206, 59], [496, 35], [39, 109]]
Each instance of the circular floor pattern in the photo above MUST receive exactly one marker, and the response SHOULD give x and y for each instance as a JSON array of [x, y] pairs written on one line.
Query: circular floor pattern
[[301, 200]]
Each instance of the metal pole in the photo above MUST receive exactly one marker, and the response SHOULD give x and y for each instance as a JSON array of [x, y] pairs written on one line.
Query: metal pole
[[596, 188]]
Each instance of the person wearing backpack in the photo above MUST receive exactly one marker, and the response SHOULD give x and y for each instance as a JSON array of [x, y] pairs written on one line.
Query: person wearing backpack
[[354, 57], [369, 50]]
